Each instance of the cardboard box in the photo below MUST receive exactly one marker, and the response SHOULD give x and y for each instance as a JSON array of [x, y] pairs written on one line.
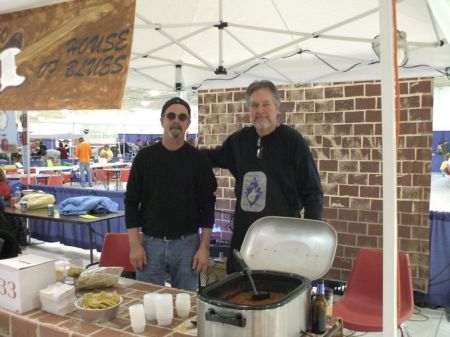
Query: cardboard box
[[21, 278]]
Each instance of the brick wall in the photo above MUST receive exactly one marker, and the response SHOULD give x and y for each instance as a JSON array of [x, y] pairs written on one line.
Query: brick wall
[[342, 124]]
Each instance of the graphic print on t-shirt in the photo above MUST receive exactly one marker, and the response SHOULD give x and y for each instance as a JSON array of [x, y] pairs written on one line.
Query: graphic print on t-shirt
[[254, 191]]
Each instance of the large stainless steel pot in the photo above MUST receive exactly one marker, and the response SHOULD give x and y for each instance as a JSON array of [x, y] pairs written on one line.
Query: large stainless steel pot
[[285, 254]]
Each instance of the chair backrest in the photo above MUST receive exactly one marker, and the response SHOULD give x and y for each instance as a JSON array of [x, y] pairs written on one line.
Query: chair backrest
[[101, 175], [55, 180], [24, 181], [116, 252], [366, 281], [124, 175]]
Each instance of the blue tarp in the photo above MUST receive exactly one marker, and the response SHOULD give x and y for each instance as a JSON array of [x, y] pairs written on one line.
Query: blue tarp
[[74, 234], [439, 277]]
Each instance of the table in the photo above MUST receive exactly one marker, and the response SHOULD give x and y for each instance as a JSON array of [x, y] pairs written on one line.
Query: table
[[42, 214], [116, 172], [40, 323]]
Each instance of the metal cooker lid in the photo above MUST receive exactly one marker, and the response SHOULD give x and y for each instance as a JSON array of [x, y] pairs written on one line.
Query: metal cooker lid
[[292, 245]]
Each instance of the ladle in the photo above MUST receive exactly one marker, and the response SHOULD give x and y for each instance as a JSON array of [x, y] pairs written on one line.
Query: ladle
[[257, 296]]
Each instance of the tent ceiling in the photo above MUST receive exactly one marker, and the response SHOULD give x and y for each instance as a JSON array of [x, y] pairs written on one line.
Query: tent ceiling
[[270, 39]]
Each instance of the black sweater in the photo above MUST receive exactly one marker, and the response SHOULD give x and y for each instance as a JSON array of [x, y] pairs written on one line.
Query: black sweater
[[288, 170], [170, 192]]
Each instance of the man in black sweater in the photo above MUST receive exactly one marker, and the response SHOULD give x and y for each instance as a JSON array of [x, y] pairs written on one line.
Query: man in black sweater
[[273, 167], [170, 194]]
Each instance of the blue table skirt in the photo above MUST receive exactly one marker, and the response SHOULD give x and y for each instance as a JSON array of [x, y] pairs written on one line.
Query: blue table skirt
[[74, 234], [439, 279]]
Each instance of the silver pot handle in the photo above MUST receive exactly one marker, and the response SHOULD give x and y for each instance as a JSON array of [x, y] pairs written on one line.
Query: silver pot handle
[[235, 319]]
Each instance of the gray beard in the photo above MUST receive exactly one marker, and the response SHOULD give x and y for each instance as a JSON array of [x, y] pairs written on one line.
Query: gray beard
[[174, 134]]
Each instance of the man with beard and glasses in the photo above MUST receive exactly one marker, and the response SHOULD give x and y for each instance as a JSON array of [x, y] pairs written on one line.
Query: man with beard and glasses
[[170, 195], [273, 167]]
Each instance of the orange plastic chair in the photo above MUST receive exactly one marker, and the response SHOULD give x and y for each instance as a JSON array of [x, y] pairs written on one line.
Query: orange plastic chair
[[24, 181], [55, 180], [101, 177], [361, 306], [116, 252], [124, 175]]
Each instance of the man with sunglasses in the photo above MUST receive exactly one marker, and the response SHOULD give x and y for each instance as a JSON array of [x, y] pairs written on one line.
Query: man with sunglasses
[[273, 167], [170, 195]]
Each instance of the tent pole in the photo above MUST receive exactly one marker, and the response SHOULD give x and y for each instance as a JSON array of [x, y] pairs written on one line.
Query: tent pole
[[389, 154]]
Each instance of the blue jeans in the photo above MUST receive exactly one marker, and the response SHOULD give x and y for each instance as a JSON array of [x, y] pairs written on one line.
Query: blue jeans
[[85, 168], [173, 256]]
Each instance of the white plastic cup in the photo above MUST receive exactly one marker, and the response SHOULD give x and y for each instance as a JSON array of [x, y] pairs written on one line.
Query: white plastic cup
[[137, 318], [183, 305], [164, 309], [149, 306]]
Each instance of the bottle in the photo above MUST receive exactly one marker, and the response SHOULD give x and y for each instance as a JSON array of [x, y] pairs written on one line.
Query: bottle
[[17, 194], [319, 311]]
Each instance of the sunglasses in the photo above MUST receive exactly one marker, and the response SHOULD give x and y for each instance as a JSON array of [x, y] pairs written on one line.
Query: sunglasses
[[259, 149], [172, 115]]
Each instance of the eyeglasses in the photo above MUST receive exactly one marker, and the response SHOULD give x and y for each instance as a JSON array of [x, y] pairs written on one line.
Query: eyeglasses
[[172, 115], [259, 149]]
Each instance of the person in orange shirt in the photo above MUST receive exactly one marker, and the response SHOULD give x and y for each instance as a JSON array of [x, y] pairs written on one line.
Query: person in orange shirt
[[84, 154]]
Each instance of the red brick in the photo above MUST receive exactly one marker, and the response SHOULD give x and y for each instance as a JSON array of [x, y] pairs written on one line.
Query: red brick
[[330, 189], [347, 239], [360, 204], [51, 331], [316, 93], [373, 90], [358, 179], [375, 230], [369, 216], [313, 118], [408, 128], [410, 102], [404, 206], [328, 165], [339, 178], [238, 96], [343, 129], [357, 228], [339, 202], [21, 327], [333, 117], [427, 101], [369, 192], [406, 154], [334, 92], [375, 179], [363, 129], [351, 142], [4, 323], [325, 105], [210, 98], [404, 180], [421, 180], [329, 213], [420, 114], [420, 87], [295, 95], [373, 116], [331, 141], [404, 88], [354, 117], [348, 166], [340, 262], [360, 154], [369, 166], [367, 241], [412, 167], [304, 106], [365, 103], [344, 104], [340, 154], [376, 205], [347, 214], [348, 190], [235, 107], [287, 106], [354, 90], [224, 97]]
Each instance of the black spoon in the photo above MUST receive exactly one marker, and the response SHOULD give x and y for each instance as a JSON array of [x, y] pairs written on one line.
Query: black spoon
[[257, 296]]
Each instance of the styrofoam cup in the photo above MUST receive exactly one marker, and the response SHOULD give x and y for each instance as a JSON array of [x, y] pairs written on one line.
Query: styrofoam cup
[[164, 309], [183, 305], [149, 306], [137, 318]]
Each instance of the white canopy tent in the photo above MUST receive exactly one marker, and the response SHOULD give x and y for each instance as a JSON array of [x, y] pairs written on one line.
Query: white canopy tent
[[216, 44]]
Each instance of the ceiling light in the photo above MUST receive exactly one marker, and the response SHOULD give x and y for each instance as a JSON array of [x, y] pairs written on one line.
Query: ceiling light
[[402, 47]]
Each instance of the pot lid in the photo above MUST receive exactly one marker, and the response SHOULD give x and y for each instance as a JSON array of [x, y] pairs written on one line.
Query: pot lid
[[292, 245]]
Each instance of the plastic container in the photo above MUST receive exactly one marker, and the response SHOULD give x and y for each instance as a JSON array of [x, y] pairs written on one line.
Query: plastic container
[[97, 315]]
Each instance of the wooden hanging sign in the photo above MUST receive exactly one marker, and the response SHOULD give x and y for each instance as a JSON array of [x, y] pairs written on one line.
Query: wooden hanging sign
[[73, 55]]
